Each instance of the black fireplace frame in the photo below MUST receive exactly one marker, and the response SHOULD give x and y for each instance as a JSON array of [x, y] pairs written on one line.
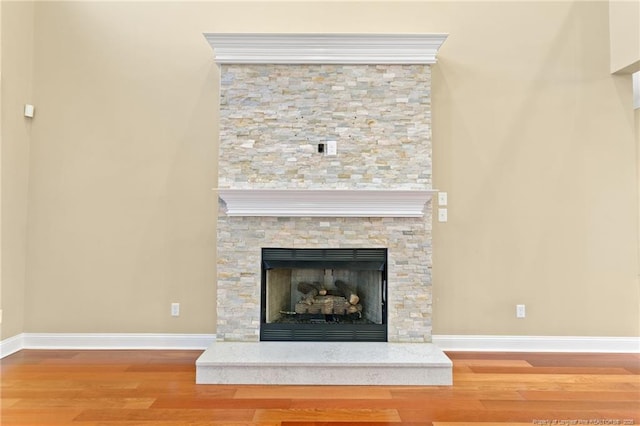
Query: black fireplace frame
[[324, 258]]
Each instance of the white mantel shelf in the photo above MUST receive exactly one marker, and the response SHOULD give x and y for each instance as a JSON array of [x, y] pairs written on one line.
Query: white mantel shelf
[[325, 203], [247, 48]]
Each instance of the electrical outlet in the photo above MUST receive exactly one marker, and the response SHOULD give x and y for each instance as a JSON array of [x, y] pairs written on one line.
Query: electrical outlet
[[175, 309], [29, 110], [520, 311]]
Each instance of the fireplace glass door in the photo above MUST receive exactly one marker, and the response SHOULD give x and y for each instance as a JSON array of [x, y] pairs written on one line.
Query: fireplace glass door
[[324, 295]]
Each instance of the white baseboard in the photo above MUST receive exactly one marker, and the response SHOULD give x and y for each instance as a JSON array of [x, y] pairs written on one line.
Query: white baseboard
[[11, 345], [105, 341], [538, 343], [202, 341]]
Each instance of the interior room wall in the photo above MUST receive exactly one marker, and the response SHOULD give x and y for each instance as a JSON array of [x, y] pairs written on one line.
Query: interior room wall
[[17, 25], [0, 172], [624, 35], [533, 139], [122, 211], [637, 123]]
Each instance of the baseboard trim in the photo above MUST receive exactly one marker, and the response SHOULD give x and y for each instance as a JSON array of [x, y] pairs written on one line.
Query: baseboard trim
[[106, 341], [202, 341], [538, 343], [11, 345]]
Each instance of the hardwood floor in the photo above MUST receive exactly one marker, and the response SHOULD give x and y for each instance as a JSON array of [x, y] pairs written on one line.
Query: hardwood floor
[[87, 388]]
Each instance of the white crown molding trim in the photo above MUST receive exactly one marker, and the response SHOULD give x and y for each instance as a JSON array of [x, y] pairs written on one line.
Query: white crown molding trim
[[105, 341], [537, 343], [247, 48], [325, 203], [11, 345]]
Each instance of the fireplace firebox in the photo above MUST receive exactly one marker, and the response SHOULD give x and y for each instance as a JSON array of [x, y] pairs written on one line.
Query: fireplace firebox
[[331, 294]]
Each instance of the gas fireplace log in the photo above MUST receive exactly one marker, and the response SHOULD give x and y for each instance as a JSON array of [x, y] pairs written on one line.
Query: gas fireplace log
[[342, 307], [306, 288], [328, 305], [309, 290], [352, 309], [301, 308], [348, 291], [321, 290], [318, 305]]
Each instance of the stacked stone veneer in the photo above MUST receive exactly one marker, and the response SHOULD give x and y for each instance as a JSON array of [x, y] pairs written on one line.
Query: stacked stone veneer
[[272, 118]]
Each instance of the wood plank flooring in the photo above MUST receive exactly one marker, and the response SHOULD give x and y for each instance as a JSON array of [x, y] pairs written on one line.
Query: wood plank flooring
[[90, 388]]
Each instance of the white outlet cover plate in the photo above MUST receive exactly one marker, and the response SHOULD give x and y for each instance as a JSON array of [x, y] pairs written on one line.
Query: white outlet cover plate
[[29, 110], [175, 309]]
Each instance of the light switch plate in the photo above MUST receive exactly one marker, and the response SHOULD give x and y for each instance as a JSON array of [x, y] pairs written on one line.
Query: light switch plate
[[332, 148], [442, 198], [29, 110], [442, 215]]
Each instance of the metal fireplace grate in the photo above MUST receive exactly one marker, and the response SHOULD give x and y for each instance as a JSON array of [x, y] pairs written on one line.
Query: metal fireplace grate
[[364, 258], [327, 333], [365, 254]]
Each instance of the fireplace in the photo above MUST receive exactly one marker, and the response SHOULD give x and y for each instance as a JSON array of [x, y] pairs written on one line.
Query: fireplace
[[280, 197], [324, 294], [294, 221]]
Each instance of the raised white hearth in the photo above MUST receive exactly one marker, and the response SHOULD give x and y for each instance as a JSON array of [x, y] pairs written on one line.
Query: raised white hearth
[[324, 363]]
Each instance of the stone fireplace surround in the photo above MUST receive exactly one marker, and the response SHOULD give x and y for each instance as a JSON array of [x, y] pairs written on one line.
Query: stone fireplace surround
[[281, 96]]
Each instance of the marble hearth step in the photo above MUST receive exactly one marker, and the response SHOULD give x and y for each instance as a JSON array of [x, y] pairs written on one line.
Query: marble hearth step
[[324, 363]]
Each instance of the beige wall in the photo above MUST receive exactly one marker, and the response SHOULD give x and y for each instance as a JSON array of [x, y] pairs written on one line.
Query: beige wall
[[17, 76], [532, 138], [637, 122], [624, 35], [122, 211], [0, 171]]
